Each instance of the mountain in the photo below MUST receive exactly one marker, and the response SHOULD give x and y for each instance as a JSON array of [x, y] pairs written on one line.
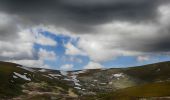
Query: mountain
[[150, 82]]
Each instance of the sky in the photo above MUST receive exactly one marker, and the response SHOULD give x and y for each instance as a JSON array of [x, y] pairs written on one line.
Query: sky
[[84, 34]]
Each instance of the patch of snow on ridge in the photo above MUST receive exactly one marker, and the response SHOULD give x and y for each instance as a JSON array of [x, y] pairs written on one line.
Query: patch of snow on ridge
[[64, 73], [79, 72], [26, 68], [66, 79], [103, 83], [22, 76], [54, 75], [74, 77], [48, 76], [83, 89], [118, 75], [95, 80], [15, 76], [77, 88], [75, 80], [42, 70]]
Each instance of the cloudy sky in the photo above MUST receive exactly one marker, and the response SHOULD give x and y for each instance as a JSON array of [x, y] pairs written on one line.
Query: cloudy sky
[[84, 34]]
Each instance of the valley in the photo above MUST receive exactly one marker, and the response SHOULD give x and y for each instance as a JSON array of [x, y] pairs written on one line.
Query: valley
[[150, 82]]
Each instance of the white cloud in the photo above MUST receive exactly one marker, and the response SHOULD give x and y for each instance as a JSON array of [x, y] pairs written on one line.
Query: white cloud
[[72, 59], [17, 43], [46, 55], [164, 14], [143, 58], [66, 67], [39, 63], [97, 50], [72, 50], [93, 65], [43, 40], [31, 63], [103, 47], [20, 48]]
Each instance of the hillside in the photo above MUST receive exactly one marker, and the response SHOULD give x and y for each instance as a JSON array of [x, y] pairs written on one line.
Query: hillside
[[151, 82], [149, 91], [18, 82], [22, 83]]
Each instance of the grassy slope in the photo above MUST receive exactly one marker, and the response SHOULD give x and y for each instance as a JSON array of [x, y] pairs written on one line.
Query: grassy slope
[[10, 89], [7, 88], [150, 73], [147, 73], [160, 89]]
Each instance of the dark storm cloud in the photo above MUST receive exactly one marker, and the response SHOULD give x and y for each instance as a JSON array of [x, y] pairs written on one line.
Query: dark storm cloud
[[145, 45], [8, 33], [158, 43], [81, 15]]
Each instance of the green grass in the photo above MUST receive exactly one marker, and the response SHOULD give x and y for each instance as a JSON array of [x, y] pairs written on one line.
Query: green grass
[[7, 88], [150, 73], [10, 89], [148, 85], [161, 89]]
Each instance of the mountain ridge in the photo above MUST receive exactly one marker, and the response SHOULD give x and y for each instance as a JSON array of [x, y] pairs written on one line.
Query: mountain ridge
[[18, 82]]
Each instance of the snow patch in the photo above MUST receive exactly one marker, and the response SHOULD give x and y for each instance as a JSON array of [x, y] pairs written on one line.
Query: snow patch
[[77, 88], [15, 76], [42, 70], [22, 76], [64, 73], [55, 75], [83, 89], [92, 85], [95, 80], [74, 79], [80, 72], [26, 68], [118, 75], [66, 79], [103, 83]]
